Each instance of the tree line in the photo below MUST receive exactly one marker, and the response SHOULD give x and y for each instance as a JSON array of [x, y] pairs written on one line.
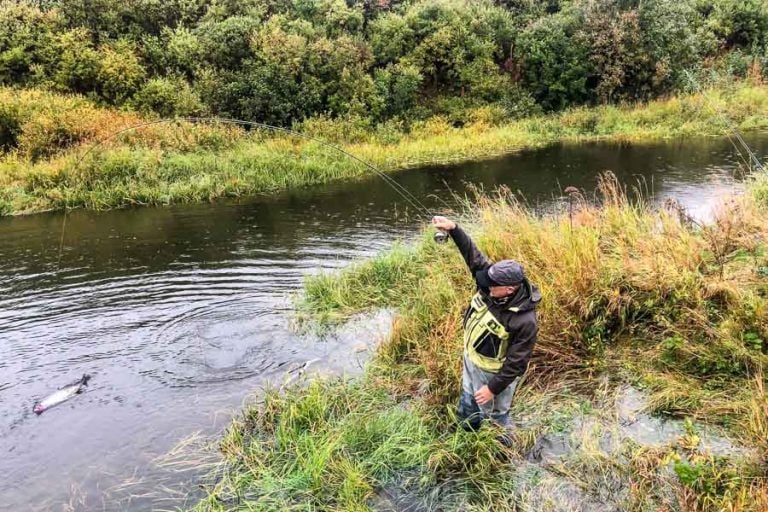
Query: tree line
[[283, 61]]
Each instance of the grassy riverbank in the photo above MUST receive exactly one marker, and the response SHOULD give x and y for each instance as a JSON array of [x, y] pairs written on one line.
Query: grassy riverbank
[[50, 159], [634, 299]]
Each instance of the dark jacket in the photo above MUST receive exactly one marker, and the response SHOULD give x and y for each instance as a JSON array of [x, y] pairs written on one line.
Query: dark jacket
[[521, 325]]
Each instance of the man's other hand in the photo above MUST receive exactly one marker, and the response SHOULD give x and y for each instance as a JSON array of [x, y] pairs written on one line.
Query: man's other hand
[[483, 395], [443, 223]]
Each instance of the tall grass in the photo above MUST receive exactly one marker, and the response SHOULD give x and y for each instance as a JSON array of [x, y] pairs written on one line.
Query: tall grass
[[631, 295], [45, 137]]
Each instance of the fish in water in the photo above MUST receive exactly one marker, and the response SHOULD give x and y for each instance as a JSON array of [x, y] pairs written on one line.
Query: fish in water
[[62, 395], [303, 368], [297, 371]]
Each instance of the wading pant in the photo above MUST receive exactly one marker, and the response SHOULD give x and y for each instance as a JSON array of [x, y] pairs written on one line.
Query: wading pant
[[471, 414]]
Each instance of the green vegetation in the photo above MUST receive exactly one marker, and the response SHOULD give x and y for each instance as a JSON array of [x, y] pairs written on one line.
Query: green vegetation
[[404, 60], [632, 296], [400, 83], [57, 161]]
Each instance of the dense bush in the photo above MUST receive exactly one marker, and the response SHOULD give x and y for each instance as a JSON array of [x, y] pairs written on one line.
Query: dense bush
[[39, 124], [171, 96], [26, 39], [285, 61], [554, 64]]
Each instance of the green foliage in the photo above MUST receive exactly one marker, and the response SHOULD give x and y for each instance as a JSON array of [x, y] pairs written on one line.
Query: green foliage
[[113, 19], [614, 39], [173, 51], [349, 129], [759, 189], [519, 103], [601, 278], [26, 38], [258, 9], [377, 283], [460, 51], [77, 63], [168, 97], [398, 87], [226, 44], [672, 42], [335, 17], [332, 444], [391, 38], [10, 126], [120, 73], [754, 341], [555, 65], [260, 93], [282, 62], [738, 23], [709, 478], [38, 125]]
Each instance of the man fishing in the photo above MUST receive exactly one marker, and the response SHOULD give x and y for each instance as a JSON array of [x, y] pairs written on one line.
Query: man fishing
[[500, 330]]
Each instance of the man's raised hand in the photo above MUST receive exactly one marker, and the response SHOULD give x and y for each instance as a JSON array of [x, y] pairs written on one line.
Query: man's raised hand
[[443, 223]]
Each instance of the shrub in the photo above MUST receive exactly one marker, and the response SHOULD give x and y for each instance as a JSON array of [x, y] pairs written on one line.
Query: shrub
[[554, 65], [398, 87], [615, 52], [339, 130], [6, 208], [77, 64], [519, 103], [10, 126], [226, 44], [261, 93], [168, 97], [739, 23], [673, 43], [41, 124], [27, 34], [391, 38], [120, 73]]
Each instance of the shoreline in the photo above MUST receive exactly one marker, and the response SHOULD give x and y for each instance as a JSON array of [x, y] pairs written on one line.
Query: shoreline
[[195, 163]]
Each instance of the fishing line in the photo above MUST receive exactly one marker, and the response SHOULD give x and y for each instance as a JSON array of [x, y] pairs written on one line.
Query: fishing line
[[61, 239], [411, 199]]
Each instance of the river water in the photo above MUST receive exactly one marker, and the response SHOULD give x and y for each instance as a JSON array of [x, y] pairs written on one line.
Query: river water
[[180, 313]]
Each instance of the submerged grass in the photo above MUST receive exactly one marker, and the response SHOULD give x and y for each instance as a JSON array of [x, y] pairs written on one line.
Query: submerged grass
[[46, 139], [323, 445], [633, 296]]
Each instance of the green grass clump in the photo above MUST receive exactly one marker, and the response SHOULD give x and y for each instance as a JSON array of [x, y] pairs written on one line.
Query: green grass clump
[[378, 283], [334, 444], [62, 151]]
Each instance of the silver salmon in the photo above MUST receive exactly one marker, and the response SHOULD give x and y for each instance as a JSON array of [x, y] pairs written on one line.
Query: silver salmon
[[62, 395]]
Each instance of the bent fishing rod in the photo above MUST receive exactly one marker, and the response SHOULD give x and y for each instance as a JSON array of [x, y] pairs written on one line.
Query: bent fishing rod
[[732, 129], [440, 236]]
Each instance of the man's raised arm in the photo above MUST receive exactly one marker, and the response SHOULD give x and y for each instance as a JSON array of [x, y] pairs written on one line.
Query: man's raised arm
[[474, 258]]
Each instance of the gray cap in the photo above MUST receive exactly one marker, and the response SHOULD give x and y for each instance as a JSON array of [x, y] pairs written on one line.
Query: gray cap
[[503, 273]]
